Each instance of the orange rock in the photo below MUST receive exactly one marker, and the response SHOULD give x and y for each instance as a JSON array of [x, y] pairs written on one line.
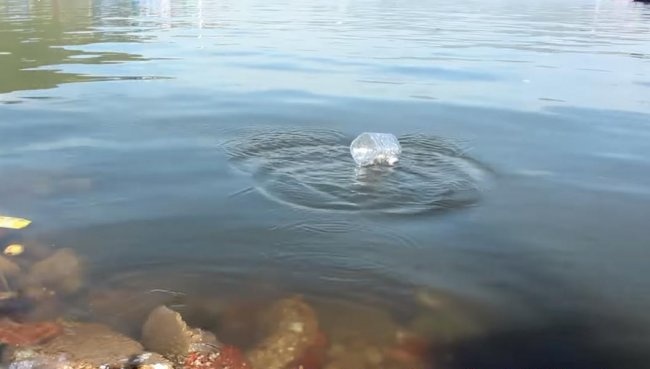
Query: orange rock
[[17, 334]]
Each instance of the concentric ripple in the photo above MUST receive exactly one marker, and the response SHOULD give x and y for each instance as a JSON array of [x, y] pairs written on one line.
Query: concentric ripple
[[314, 169]]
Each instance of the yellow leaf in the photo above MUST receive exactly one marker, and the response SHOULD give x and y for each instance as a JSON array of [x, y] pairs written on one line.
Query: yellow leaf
[[13, 223], [14, 249]]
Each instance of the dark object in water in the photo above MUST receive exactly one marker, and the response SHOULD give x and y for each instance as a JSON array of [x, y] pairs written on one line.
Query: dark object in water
[[560, 345], [15, 305]]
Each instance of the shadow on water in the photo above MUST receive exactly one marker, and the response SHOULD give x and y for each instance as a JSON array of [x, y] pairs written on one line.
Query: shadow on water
[[561, 344], [313, 169], [561, 335]]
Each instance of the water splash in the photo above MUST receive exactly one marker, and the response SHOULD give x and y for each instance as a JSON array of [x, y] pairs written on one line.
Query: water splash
[[313, 169]]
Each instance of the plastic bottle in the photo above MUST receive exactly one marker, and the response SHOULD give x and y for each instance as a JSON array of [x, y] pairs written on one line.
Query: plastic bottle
[[371, 148]]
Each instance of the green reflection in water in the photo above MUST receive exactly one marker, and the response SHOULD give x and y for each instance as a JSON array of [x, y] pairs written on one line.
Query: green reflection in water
[[39, 38]]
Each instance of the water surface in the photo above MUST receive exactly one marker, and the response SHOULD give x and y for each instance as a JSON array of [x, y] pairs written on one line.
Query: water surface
[[202, 145]]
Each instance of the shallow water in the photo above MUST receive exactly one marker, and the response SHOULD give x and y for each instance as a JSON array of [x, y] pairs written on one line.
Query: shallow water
[[201, 146]]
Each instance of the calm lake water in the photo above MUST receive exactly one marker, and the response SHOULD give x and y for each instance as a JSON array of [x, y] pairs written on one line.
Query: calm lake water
[[201, 145]]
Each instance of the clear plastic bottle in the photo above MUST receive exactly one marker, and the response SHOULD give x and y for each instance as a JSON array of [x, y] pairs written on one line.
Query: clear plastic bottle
[[371, 148]]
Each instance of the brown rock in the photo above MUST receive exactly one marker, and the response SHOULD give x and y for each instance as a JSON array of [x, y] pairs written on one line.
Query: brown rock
[[61, 272], [80, 346], [289, 327], [8, 267], [166, 332], [93, 343]]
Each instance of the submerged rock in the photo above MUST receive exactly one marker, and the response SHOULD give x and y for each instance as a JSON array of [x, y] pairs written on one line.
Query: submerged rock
[[26, 334], [32, 281], [289, 328], [94, 343], [410, 350], [8, 268], [444, 319], [61, 273], [237, 322], [404, 353], [166, 332], [125, 309], [86, 346], [346, 323], [227, 357], [314, 356]]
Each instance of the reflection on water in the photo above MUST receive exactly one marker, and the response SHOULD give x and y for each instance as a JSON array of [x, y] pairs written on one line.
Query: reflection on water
[[173, 174], [37, 44]]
